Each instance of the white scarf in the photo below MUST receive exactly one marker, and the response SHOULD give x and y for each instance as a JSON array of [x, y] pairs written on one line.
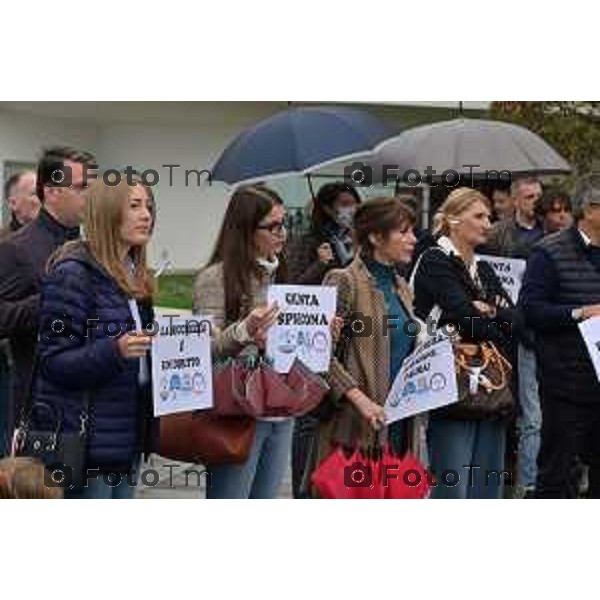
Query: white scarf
[[269, 266]]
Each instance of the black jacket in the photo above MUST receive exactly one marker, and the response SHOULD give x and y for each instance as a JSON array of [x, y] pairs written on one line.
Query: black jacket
[[443, 280], [562, 274], [23, 258], [304, 265]]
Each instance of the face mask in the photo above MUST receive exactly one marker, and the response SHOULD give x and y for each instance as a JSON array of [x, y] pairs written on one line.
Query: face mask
[[345, 216]]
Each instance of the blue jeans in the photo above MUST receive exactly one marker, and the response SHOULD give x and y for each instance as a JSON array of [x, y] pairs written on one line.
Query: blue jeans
[[472, 449], [106, 487], [260, 476], [529, 423]]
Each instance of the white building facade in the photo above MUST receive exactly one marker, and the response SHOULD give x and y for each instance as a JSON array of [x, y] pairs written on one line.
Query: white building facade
[[151, 135]]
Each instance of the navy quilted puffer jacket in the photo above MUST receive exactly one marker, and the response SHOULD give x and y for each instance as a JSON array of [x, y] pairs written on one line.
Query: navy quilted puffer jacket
[[79, 289]]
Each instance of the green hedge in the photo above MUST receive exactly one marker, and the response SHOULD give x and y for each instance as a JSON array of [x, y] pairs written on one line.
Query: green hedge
[[175, 291]]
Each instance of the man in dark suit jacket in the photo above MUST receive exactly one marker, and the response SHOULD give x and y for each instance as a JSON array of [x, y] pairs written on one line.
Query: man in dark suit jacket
[[62, 178]]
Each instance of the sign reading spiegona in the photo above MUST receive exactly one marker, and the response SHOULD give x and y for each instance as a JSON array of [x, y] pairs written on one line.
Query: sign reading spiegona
[[182, 366], [303, 329]]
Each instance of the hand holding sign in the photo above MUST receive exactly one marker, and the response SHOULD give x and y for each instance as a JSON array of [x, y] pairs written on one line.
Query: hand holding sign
[[590, 311], [134, 344], [260, 320]]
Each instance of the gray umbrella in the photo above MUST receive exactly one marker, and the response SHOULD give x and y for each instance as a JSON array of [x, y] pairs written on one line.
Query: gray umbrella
[[491, 145]]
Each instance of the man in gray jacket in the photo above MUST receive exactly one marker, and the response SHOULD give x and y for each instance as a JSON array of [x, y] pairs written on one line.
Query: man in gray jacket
[[515, 238]]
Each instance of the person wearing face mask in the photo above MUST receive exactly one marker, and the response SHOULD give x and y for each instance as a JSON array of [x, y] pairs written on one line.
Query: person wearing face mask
[[328, 245], [468, 295], [232, 289]]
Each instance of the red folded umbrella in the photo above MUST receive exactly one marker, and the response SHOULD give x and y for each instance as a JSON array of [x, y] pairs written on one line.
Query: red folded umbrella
[[343, 478], [406, 478], [328, 477]]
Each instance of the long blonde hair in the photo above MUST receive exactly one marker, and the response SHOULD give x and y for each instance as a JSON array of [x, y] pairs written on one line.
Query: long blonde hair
[[455, 204], [105, 206]]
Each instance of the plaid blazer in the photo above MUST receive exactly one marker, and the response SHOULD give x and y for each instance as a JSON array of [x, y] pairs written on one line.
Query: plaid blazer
[[366, 364]]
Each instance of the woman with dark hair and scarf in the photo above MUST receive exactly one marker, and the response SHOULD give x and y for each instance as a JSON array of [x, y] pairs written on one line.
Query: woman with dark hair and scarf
[[328, 243]]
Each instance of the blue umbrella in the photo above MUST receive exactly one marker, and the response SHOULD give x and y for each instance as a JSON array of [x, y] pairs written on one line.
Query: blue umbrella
[[298, 141]]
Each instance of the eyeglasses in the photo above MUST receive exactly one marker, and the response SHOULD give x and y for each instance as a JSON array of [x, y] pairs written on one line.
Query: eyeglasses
[[275, 228]]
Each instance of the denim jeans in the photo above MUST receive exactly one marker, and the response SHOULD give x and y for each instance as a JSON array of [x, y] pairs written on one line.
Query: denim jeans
[[107, 487], [261, 475], [529, 423], [472, 449]]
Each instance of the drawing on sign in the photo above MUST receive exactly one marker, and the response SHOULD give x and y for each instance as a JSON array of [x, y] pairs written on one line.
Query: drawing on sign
[[438, 382], [304, 343]]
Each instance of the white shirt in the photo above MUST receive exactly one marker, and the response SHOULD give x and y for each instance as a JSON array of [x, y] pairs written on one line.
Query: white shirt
[[143, 375]]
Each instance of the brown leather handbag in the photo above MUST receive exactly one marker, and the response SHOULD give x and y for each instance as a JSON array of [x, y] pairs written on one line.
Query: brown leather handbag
[[204, 437], [484, 376]]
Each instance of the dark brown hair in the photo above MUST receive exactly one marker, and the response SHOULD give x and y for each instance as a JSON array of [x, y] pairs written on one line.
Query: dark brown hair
[[51, 158], [326, 198], [550, 199], [380, 216], [235, 245]]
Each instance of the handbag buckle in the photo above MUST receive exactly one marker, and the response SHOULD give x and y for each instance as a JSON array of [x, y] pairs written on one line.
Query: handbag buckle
[[51, 445]]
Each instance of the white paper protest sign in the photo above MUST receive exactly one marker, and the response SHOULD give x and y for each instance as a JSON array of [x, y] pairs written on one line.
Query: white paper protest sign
[[303, 326], [590, 331], [427, 380], [510, 271], [182, 366]]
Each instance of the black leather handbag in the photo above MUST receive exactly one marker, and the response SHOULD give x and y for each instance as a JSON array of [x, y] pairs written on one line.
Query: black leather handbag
[[63, 454]]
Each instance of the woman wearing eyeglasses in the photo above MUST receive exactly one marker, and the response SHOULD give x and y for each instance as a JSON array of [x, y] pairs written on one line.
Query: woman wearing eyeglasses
[[232, 288]]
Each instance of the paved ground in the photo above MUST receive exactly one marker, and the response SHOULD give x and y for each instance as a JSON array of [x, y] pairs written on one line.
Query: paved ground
[[172, 481]]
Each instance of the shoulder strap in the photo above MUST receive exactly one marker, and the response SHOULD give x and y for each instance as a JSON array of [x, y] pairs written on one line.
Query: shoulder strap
[[435, 248]]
